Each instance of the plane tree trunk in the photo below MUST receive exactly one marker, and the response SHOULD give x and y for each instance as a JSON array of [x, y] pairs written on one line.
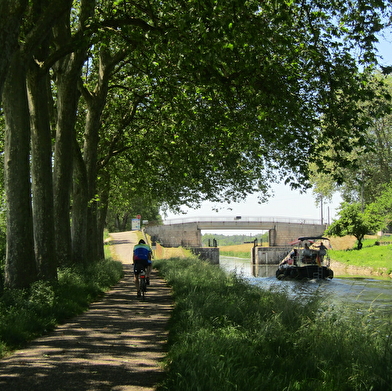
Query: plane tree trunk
[[20, 266], [41, 171], [11, 14], [95, 101], [79, 208], [67, 73]]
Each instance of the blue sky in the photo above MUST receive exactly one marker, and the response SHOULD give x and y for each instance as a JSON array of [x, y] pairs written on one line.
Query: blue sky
[[285, 203]]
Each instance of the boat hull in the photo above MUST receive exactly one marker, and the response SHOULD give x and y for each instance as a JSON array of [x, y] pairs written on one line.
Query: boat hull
[[306, 272]]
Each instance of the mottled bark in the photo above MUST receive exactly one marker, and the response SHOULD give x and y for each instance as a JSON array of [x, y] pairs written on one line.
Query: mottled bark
[[95, 101], [41, 171], [67, 73], [67, 99], [79, 208], [20, 268], [11, 14], [102, 212]]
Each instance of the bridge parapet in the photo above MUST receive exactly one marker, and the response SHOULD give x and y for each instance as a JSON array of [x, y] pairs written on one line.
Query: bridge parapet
[[241, 219], [187, 231]]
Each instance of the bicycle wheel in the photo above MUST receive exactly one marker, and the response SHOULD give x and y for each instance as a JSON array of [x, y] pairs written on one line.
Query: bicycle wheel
[[143, 287]]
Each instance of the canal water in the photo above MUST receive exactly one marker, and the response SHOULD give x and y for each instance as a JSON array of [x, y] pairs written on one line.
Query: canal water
[[364, 295]]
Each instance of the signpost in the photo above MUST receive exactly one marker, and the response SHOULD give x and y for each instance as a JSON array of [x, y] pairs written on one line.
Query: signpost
[[136, 223]]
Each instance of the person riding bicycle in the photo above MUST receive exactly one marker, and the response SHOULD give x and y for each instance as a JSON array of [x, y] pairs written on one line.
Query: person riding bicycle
[[141, 261]]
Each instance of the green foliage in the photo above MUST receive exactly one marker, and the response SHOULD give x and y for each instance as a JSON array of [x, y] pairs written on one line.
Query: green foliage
[[364, 180], [381, 208], [187, 101], [26, 314], [3, 229], [214, 100], [352, 221], [226, 334]]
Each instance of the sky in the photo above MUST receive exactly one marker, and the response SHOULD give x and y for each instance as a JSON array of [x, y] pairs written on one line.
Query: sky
[[286, 202]]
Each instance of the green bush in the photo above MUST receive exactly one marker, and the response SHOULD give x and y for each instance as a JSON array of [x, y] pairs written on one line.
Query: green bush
[[226, 334], [2, 250], [26, 314]]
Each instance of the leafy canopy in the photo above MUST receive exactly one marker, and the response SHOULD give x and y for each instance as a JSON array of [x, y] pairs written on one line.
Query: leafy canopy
[[228, 97]]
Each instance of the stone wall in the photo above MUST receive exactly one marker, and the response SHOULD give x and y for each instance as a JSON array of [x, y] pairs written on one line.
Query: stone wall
[[210, 254], [270, 255], [185, 235], [284, 233]]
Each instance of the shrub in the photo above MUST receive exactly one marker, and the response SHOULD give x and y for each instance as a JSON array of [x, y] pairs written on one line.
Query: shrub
[[25, 314]]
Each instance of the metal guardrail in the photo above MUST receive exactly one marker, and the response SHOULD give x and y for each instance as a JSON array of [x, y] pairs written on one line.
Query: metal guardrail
[[244, 219]]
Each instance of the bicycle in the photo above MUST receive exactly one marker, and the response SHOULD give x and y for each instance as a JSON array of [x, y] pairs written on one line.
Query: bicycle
[[143, 283]]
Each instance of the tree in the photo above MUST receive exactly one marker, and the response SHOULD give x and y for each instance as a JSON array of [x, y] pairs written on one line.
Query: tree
[[363, 181], [20, 267], [381, 208], [352, 221], [11, 14], [211, 101]]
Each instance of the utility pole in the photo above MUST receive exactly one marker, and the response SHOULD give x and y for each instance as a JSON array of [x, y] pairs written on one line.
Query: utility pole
[[322, 207]]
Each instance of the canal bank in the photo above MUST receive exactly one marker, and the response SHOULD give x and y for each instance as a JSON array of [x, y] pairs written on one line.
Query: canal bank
[[340, 269], [344, 270]]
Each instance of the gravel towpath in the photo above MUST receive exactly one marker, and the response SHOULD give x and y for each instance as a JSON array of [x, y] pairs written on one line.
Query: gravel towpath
[[117, 345]]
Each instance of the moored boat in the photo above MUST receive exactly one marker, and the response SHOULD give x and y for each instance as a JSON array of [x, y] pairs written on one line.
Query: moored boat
[[307, 260]]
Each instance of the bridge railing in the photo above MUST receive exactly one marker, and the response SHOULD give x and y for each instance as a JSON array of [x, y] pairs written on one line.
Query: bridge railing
[[250, 219]]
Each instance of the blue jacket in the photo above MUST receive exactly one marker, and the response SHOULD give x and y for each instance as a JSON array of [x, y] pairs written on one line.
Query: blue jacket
[[141, 253]]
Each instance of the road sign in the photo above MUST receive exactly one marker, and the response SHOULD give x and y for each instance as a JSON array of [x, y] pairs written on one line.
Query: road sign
[[135, 224]]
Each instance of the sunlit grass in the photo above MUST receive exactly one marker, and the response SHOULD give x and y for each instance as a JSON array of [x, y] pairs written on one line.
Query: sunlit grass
[[376, 257], [237, 250], [226, 334]]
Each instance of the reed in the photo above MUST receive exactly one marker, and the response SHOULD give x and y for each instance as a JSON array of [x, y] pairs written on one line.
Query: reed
[[226, 334]]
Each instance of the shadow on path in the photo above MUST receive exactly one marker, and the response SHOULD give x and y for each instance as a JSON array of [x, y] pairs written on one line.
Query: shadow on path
[[116, 345]]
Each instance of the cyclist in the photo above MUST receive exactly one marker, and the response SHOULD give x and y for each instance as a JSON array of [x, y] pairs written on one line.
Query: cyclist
[[141, 261]]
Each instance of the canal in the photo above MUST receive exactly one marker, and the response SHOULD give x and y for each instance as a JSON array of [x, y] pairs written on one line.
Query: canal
[[364, 295]]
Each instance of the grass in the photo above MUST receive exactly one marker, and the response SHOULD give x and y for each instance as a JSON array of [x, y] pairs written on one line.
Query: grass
[[238, 250], [226, 334], [26, 314], [377, 257]]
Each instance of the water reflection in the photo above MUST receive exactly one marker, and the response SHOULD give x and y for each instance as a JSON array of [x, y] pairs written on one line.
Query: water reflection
[[361, 294]]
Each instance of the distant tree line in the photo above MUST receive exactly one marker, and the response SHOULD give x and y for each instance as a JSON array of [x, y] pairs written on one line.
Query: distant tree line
[[229, 240]]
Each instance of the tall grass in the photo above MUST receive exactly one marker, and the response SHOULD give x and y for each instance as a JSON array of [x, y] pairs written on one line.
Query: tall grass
[[226, 334], [26, 314]]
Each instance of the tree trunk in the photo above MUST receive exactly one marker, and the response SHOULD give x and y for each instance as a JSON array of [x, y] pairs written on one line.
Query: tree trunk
[[11, 14], [67, 99], [102, 211], [79, 208], [42, 184], [67, 73], [20, 268], [95, 104]]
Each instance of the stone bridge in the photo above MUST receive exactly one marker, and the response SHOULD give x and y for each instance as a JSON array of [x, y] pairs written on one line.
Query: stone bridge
[[186, 232]]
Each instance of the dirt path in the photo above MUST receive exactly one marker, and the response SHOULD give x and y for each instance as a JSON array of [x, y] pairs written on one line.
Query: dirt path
[[116, 345]]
